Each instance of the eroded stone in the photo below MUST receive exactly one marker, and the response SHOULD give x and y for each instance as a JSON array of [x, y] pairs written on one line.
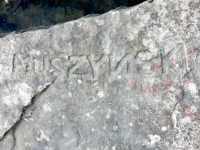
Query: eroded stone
[[127, 79]]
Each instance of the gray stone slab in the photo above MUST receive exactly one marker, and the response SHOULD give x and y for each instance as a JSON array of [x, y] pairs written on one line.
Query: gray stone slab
[[128, 79]]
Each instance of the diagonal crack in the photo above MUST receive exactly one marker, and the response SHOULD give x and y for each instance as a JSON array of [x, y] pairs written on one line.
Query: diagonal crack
[[13, 127]]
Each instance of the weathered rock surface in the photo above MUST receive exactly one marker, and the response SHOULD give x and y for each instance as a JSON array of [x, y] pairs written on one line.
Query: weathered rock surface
[[128, 79]]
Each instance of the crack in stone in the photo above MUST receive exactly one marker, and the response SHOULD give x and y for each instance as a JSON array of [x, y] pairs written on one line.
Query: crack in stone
[[23, 112], [182, 96], [175, 108], [175, 130], [14, 139]]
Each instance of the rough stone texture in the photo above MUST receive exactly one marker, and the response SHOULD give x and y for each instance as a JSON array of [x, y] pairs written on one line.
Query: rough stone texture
[[125, 80]]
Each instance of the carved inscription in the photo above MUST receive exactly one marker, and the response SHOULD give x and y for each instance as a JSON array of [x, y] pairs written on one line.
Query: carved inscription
[[21, 63], [125, 61], [79, 60], [95, 65], [56, 63], [166, 62], [143, 62], [39, 64]]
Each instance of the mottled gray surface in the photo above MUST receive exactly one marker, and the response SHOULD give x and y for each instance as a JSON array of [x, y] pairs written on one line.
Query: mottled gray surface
[[125, 80]]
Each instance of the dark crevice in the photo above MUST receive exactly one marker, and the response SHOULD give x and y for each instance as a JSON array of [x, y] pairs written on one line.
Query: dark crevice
[[14, 139], [181, 98], [13, 128], [25, 14]]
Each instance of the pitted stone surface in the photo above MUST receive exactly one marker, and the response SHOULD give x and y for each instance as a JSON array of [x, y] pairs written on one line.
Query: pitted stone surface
[[128, 79]]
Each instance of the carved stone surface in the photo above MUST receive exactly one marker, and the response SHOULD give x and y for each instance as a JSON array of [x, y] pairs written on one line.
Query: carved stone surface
[[125, 80]]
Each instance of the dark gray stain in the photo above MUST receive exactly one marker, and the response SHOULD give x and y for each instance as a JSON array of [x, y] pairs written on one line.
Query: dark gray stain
[[29, 14]]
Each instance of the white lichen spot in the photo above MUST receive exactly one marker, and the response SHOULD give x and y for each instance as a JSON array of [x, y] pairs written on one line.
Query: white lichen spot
[[25, 93], [80, 81], [115, 127], [7, 100], [154, 139], [186, 120], [108, 116], [167, 143], [46, 84], [101, 94], [173, 117], [135, 107], [40, 88], [127, 88], [96, 83], [50, 71], [70, 94], [128, 12], [63, 116], [6, 1], [131, 124], [163, 128], [151, 45], [100, 22], [144, 55], [38, 52], [92, 129], [70, 141], [147, 67], [47, 108], [41, 136], [94, 100], [27, 144], [193, 109], [65, 134], [113, 148], [193, 89], [4, 125], [177, 66], [119, 76]]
